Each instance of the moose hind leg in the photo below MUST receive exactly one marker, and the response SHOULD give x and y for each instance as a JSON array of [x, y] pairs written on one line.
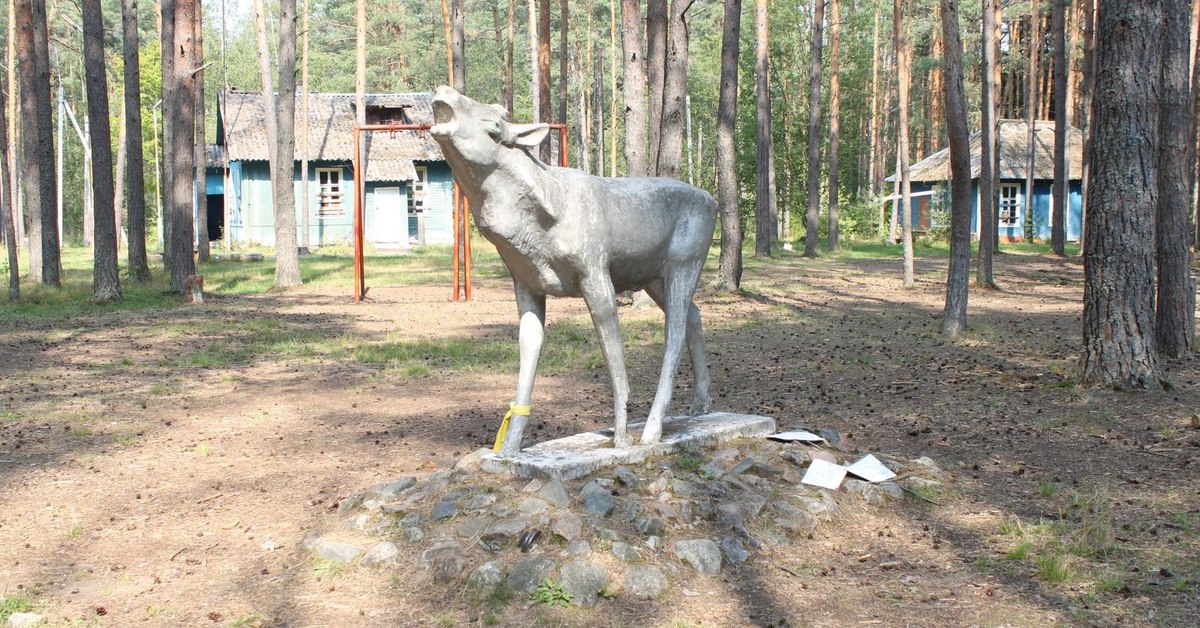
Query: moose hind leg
[[675, 295], [532, 309], [701, 401], [601, 300]]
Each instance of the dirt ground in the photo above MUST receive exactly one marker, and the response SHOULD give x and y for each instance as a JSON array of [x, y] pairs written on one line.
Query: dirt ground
[[163, 467]]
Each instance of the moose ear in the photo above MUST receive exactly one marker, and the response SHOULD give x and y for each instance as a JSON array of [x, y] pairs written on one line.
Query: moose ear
[[500, 110], [494, 129], [529, 135]]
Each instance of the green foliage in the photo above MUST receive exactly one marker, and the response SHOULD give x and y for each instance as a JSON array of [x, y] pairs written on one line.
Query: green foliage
[[549, 593], [17, 603]]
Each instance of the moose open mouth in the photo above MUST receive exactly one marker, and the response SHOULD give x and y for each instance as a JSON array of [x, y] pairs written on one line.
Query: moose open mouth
[[442, 112]]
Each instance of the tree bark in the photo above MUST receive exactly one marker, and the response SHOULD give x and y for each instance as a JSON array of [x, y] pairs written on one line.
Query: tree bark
[[304, 172], [270, 104], [6, 206], [812, 218], [179, 125], [106, 281], [764, 197], [903, 72], [634, 89], [505, 85], [987, 162], [543, 62], [37, 175], [1119, 260], [1176, 295], [534, 79], [135, 185], [1062, 122], [287, 259], [835, 118], [670, 148], [201, 150], [873, 152], [458, 45], [730, 266], [563, 32], [954, 316], [1031, 97], [508, 75], [656, 73], [14, 135], [1087, 90]]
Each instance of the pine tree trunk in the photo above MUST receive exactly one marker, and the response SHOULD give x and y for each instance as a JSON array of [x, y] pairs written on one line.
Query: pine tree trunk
[[730, 265], [987, 162], [37, 176], [670, 148], [1119, 260], [812, 218], [505, 86], [874, 169], [634, 89], [1087, 91], [835, 119], [903, 72], [201, 151], [612, 89], [458, 45], [1035, 45], [179, 117], [135, 167], [14, 135], [534, 79], [1058, 229], [106, 281], [270, 104], [508, 74], [7, 218], [305, 237], [1176, 295], [287, 259], [543, 62], [656, 73], [563, 33], [764, 197], [954, 316], [119, 179]]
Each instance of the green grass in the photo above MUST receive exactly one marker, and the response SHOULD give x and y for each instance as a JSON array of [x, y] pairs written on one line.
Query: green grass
[[1054, 568], [18, 603], [549, 593]]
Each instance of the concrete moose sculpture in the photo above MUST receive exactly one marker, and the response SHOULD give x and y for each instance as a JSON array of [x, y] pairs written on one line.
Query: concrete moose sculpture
[[563, 232]]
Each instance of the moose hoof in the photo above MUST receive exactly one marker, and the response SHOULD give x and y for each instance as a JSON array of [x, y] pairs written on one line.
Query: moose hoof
[[701, 406], [653, 432], [621, 440]]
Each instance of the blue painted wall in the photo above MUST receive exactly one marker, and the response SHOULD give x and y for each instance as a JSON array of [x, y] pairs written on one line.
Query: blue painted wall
[[252, 217], [1041, 210]]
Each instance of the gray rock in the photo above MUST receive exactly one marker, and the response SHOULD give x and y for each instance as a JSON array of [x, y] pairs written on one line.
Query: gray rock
[[412, 534], [799, 523], [579, 547], [532, 506], [764, 470], [350, 503], [873, 494], [23, 620], [919, 482], [389, 491], [473, 460], [473, 527], [444, 510], [503, 511], [627, 478], [338, 552], [710, 471], [743, 466], [479, 502], [654, 542], [830, 435], [631, 510], [925, 466], [609, 534], [444, 561], [568, 526], [733, 550], [582, 580], [528, 573], [683, 488], [893, 490], [625, 552], [380, 554], [823, 508], [645, 582], [659, 485], [648, 526], [702, 554], [752, 503], [485, 577], [597, 500], [533, 486], [730, 514], [821, 454], [725, 455], [555, 493], [796, 456]]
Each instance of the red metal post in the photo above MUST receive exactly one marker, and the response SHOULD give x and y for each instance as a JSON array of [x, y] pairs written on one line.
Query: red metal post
[[454, 216], [466, 214]]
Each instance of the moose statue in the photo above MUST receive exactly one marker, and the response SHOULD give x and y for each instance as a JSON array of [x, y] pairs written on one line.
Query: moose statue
[[566, 233]]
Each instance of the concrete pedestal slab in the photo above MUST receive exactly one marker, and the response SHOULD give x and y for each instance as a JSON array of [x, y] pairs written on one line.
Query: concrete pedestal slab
[[576, 456]]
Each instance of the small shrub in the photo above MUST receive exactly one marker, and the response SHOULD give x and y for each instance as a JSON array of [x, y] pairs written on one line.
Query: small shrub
[[550, 593]]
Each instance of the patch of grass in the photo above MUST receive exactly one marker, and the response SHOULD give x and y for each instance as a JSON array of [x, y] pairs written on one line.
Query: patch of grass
[[327, 568], [688, 461], [1019, 551], [18, 603], [1054, 568], [1046, 488], [74, 532], [549, 593], [983, 563], [1095, 536], [158, 389], [203, 449], [247, 621], [10, 416], [124, 438], [80, 430], [445, 621]]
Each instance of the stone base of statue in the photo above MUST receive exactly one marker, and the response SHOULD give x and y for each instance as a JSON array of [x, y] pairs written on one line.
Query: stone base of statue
[[576, 456]]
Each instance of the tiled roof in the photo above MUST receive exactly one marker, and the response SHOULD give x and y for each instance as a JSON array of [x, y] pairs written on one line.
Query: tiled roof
[[390, 156], [1014, 154]]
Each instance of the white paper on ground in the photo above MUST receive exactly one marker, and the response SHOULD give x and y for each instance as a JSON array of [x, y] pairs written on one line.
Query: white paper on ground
[[824, 474], [796, 436], [870, 469]]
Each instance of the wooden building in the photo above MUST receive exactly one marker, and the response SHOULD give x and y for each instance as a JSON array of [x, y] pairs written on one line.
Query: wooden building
[[408, 184]]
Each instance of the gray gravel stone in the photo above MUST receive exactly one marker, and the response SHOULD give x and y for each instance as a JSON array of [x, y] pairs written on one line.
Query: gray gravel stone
[[873, 494], [444, 510], [337, 551], [412, 534], [710, 471], [597, 500], [742, 466], [389, 491], [626, 477], [625, 552], [733, 550], [479, 502], [23, 620], [702, 554], [579, 547], [582, 580], [796, 456], [683, 488], [654, 542], [830, 435], [485, 576], [380, 554], [533, 486], [444, 561], [752, 503], [473, 527], [555, 493], [528, 573], [731, 514], [568, 526], [532, 506], [893, 490], [648, 526], [645, 582]]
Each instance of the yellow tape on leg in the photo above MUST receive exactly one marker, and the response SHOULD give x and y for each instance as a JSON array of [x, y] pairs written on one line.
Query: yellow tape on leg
[[513, 409]]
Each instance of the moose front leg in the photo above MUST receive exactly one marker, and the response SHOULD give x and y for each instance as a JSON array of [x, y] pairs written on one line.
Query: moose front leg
[[601, 300], [532, 309]]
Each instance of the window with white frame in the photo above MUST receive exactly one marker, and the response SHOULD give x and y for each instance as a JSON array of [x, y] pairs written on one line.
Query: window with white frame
[[416, 190], [329, 193], [1010, 205]]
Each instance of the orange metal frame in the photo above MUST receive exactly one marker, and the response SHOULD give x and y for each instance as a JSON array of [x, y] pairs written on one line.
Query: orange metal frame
[[461, 265]]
